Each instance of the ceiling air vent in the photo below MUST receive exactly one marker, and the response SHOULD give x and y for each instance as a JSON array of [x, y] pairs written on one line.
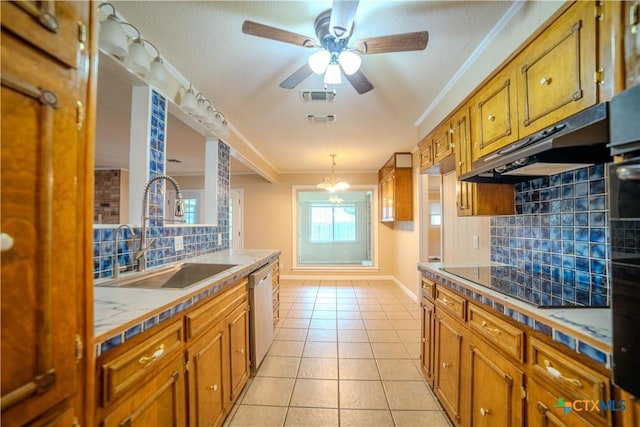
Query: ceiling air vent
[[321, 118], [308, 95]]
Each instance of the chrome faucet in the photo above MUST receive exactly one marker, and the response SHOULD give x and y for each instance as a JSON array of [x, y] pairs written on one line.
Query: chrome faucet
[[140, 255], [116, 265]]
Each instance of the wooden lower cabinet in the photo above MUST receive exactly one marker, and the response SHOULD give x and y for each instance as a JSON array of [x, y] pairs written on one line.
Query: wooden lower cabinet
[[496, 389], [238, 329], [448, 363], [159, 402], [207, 378], [189, 372]]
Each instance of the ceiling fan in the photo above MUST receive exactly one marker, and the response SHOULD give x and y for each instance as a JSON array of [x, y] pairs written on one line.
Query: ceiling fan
[[334, 29]]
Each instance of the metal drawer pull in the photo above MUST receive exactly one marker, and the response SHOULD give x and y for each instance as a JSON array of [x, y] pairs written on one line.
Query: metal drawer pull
[[213, 387], [491, 118], [490, 329], [446, 301], [484, 412], [545, 81], [156, 354], [628, 172], [241, 351], [557, 374], [446, 365]]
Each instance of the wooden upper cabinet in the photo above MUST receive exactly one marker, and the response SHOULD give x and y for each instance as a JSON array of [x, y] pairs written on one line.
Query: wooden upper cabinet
[[426, 153], [395, 182], [442, 145], [55, 27], [557, 73], [493, 114]]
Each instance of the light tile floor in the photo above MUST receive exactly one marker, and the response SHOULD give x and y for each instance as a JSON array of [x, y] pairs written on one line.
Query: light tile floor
[[346, 353]]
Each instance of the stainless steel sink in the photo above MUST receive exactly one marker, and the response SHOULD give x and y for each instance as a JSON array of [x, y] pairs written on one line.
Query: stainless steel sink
[[174, 277]]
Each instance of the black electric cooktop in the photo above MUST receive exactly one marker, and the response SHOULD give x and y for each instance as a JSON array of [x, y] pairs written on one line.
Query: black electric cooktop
[[515, 283]]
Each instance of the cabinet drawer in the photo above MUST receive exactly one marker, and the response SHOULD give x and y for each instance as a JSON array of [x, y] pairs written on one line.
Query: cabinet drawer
[[507, 337], [128, 370], [428, 289], [573, 380], [213, 311], [451, 302]]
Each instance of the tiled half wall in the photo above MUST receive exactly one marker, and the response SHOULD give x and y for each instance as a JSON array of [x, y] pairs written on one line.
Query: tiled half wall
[[558, 239]]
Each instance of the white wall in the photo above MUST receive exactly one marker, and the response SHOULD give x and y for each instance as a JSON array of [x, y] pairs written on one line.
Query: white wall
[[458, 232]]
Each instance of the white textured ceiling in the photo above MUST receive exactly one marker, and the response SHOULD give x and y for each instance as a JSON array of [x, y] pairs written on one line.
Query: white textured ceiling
[[241, 74]]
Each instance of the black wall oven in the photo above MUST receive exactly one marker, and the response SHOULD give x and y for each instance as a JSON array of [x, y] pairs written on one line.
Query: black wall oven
[[624, 185], [624, 205]]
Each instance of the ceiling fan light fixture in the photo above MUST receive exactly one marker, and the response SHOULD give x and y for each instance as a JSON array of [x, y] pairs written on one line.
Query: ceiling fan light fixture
[[349, 61], [333, 76], [319, 61]]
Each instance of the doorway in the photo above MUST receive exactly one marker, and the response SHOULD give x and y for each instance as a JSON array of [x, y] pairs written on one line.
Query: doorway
[[235, 218]]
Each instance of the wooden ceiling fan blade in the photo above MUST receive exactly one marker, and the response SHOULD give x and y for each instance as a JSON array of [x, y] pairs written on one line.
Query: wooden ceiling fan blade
[[343, 13], [296, 78], [394, 43], [359, 82], [273, 33]]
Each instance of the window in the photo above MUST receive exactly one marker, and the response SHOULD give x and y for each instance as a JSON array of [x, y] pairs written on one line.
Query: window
[[333, 223], [334, 232], [190, 210]]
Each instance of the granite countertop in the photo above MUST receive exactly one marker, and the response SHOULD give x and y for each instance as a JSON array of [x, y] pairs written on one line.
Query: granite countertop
[[120, 310], [577, 328]]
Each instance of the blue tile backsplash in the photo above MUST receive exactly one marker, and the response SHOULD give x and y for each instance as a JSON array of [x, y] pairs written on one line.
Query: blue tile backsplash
[[559, 238], [197, 239]]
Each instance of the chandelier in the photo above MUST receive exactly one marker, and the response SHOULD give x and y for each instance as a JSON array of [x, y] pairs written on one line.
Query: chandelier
[[331, 183]]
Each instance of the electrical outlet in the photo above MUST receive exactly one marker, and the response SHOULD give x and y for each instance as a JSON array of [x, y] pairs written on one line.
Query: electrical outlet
[[476, 242], [219, 239], [178, 243]]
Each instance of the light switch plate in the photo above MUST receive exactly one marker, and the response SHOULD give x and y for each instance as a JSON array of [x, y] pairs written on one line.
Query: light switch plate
[[178, 243], [219, 239]]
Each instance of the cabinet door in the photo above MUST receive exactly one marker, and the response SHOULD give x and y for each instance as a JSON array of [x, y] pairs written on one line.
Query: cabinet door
[[495, 389], [426, 154], [427, 349], [55, 27], [461, 140], [442, 146], [387, 198], [543, 409], [555, 78], [159, 402], [238, 328], [40, 147], [206, 378], [448, 359], [493, 118]]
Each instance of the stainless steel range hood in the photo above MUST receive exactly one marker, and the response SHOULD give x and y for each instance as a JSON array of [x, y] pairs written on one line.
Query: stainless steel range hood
[[577, 141]]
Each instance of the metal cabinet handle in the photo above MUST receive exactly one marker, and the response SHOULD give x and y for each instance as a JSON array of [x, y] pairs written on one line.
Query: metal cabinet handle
[[6, 242], [446, 365], [213, 387], [241, 351], [484, 412], [555, 373], [491, 118], [628, 172], [154, 356], [545, 81], [490, 329], [446, 301]]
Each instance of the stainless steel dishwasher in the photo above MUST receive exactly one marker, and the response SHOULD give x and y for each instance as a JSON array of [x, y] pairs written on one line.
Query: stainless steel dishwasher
[[260, 314]]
